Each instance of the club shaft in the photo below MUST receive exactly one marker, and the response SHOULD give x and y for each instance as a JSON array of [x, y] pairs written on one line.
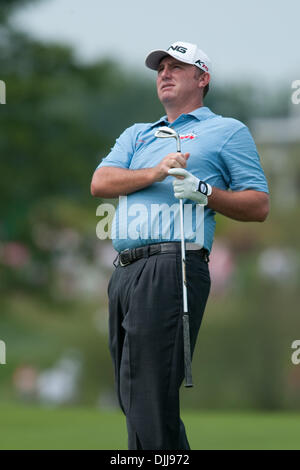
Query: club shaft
[[185, 318], [186, 325], [184, 289]]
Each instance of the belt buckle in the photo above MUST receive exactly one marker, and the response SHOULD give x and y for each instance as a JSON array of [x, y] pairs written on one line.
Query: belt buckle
[[120, 259]]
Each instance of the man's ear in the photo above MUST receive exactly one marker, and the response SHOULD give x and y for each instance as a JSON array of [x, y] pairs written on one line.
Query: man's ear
[[204, 80]]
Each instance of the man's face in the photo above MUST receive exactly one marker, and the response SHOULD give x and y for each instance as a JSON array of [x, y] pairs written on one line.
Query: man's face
[[176, 82]]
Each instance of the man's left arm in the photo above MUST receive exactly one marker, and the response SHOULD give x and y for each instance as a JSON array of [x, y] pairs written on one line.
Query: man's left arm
[[247, 205], [248, 198]]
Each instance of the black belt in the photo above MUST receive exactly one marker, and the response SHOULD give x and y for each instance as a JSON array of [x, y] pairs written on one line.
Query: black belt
[[129, 256]]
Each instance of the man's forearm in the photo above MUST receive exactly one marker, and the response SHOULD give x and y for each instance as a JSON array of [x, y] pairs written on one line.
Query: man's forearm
[[247, 206], [112, 182]]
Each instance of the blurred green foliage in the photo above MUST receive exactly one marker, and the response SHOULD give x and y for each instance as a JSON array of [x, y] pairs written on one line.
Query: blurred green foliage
[[60, 119], [8, 6]]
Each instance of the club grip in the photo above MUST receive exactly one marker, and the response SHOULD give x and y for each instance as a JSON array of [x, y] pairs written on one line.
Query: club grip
[[187, 352]]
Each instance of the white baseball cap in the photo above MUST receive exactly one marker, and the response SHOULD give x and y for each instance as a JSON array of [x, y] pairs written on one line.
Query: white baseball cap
[[183, 51]]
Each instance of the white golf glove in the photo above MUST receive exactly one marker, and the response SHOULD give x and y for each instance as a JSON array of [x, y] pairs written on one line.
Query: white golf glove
[[188, 188]]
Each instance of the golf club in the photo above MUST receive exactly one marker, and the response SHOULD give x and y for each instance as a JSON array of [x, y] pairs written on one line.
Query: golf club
[[167, 132]]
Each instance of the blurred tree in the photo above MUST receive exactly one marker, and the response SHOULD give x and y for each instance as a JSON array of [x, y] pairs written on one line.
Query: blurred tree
[[8, 6], [60, 120]]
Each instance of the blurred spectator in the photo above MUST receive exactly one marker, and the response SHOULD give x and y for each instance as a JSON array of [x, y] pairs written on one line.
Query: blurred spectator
[[279, 264], [59, 384], [25, 382], [221, 267]]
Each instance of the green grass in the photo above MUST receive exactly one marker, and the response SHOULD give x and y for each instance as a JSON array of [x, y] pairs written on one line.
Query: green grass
[[29, 427]]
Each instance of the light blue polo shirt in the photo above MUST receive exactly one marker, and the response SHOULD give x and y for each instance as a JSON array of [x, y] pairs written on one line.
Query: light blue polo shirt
[[222, 153]]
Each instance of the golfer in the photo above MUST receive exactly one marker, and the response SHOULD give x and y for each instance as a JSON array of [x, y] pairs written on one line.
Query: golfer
[[218, 170]]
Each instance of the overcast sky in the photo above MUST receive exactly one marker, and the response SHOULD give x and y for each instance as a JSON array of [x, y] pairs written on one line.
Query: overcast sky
[[257, 40]]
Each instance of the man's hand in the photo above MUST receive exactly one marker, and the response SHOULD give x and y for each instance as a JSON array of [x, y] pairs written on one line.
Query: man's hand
[[187, 186], [172, 160]]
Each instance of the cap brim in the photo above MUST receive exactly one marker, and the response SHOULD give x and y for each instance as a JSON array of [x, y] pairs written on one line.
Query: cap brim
[[153, 59]]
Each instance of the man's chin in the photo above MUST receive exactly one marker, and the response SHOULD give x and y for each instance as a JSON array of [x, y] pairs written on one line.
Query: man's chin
[[165, 96]]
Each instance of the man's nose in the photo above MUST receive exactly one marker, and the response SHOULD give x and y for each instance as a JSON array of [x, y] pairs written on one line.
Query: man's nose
[[166, 72]]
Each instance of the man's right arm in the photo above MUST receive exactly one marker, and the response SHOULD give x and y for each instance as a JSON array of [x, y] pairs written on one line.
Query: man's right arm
[[111, 182]]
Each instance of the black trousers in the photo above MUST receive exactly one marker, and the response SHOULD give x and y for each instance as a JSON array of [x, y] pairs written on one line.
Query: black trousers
[[146, 343]]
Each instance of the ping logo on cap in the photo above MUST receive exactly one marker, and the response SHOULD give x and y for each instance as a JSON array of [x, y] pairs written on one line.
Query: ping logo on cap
[[178, 49]]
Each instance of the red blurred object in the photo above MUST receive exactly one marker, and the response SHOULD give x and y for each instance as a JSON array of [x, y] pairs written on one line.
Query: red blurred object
[[14, 254]]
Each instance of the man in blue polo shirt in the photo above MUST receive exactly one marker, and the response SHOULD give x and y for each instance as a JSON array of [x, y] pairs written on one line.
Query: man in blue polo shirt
[[218, 171]]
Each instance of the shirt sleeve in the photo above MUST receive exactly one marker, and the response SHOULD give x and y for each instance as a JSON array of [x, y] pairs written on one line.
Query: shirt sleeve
[[242, 161], [121, 154]]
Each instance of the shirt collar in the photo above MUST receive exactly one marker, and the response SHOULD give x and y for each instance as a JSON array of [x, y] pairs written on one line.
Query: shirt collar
[[161, 121], [201, 114]]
